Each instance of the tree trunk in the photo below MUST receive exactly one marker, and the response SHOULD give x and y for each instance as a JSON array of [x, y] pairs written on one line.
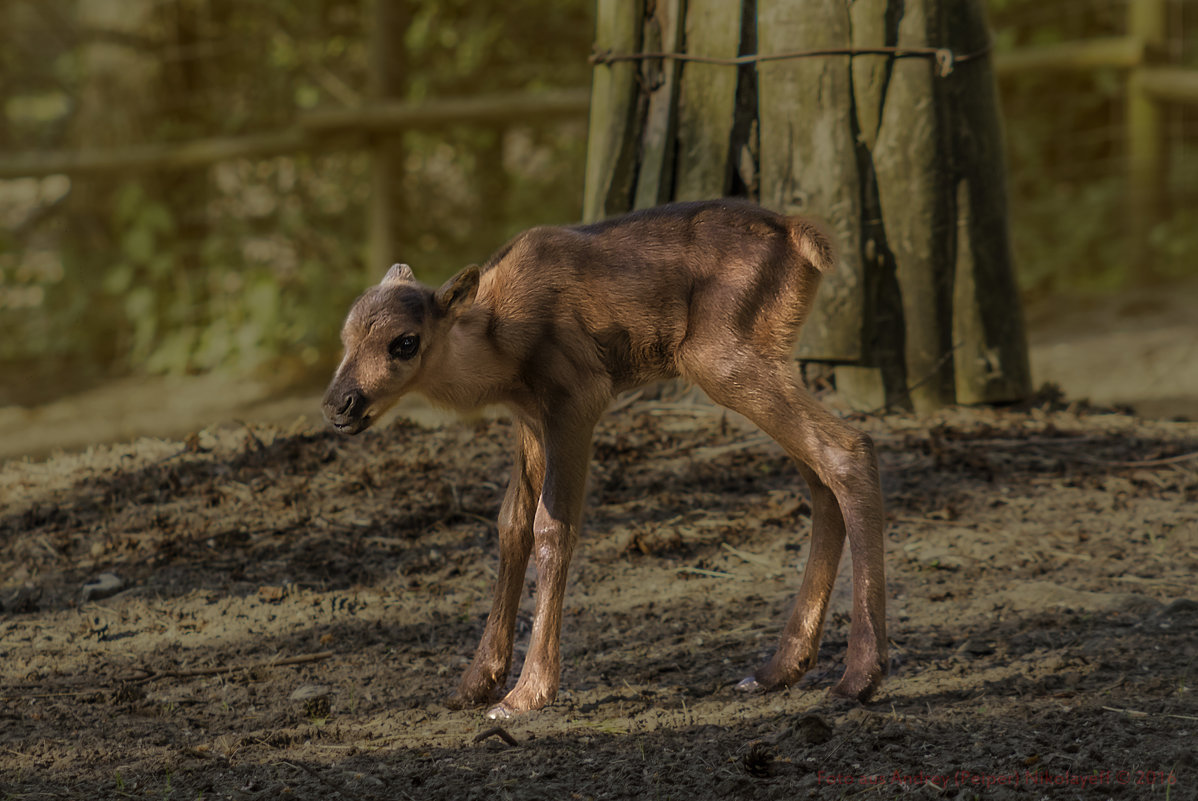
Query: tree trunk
[[808, 157], [708, 102], [663, 33], [990, 356], [911, 158], [616, 109], [906, 164]]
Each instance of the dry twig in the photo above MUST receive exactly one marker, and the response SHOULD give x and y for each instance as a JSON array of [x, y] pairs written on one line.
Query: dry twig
[[1135, 713], [497, 731]]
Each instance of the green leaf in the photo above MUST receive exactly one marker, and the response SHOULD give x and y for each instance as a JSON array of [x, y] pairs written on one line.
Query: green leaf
[[118, 279], [138, 244], [173, 354], [129, 199], [161, 264], [157, 217], [139, 304]]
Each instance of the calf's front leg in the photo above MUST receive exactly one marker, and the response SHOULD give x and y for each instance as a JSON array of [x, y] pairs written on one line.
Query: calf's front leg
[[555, 532], [488, 672]]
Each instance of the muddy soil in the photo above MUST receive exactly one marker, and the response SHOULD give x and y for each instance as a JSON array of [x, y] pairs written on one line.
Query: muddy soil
[[295, 609]]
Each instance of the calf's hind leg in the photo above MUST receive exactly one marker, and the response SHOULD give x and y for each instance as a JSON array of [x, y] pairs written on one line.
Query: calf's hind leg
[[799, 645], [841, 468]]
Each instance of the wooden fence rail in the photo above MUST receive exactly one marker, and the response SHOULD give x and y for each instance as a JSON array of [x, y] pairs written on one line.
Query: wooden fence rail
[[343, 128], [1171, 84], [1115, 51], [318, 130]]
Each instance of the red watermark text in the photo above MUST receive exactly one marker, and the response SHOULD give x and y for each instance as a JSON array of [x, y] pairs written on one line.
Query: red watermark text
[[1023, 778]]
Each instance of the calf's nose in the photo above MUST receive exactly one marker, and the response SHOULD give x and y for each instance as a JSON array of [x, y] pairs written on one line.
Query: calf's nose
[[342, 405]]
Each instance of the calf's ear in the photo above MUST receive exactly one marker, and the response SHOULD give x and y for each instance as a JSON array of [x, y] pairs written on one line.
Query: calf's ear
[[398, 274], [458, 293]]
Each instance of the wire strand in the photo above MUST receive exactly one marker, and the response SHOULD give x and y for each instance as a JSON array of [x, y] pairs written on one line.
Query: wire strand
[[945, 59]]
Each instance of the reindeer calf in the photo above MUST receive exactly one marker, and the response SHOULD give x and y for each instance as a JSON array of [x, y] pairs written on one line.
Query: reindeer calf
[[561, 320]]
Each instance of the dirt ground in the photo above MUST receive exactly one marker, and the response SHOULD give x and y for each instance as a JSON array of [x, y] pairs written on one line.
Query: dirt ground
[[295, 608]]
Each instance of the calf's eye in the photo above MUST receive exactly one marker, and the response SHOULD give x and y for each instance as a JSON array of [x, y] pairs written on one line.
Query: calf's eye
[[404, 346]]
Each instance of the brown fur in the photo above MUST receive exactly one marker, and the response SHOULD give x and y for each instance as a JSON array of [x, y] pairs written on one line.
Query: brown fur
[[559, 322]]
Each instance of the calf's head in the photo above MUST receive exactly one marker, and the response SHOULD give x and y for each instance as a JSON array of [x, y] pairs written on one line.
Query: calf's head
[[394, 335]]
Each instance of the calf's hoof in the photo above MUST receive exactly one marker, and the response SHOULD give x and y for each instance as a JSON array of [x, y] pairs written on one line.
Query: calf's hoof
[[464, 698], [519, 701], [772, 676], [499, 712], [750, 686], [859, 686]]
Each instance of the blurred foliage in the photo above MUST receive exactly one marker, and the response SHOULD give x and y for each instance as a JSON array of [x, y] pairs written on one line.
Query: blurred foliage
[[1066, 145], [250, 265]]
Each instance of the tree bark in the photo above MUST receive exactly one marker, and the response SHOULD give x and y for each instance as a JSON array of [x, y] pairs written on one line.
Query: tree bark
[[663, 32], [990, 356], [912, 159], [614, 131], [708, 102], [808, 158]]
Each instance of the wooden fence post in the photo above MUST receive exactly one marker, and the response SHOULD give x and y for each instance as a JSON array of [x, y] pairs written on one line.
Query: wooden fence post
[[663, 32], [387, 235], [708, 101], [613, 132], [113, 76], [808, 157], [990, 359], [1146, 144], [913, 162]]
